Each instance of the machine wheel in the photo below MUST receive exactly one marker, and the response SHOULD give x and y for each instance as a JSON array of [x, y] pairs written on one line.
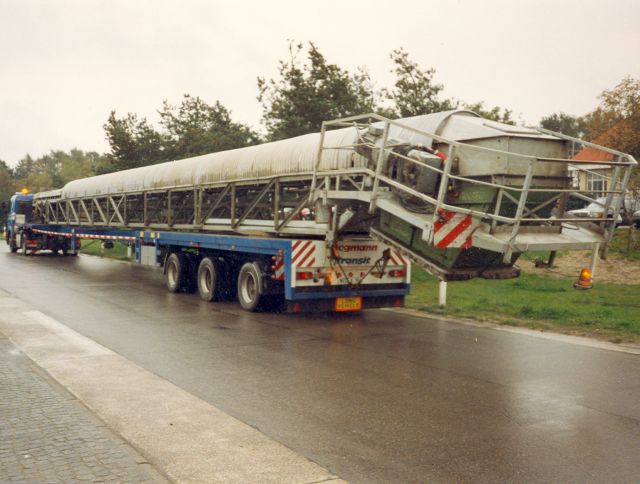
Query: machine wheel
[[250, 288], [178, 273], [209, 280]]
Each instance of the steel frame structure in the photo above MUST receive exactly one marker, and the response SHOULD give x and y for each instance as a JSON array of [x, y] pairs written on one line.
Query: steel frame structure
[[526, 218], [274, 205]]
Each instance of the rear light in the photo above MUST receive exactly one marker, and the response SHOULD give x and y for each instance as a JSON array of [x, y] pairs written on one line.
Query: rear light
[[397, 273], [304, 275]]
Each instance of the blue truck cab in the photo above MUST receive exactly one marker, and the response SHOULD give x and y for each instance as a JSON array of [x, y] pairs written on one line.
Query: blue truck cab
[[20, 212], [19, 233]]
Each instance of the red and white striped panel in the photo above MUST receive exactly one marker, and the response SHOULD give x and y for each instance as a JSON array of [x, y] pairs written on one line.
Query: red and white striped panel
[[279, 268], [397, 259], [303, 253], [453, 230]]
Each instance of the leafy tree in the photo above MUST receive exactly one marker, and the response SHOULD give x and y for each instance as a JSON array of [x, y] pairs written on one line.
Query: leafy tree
[[56, 168], [24, 167], [196, 128], [616, 122], [414, 91], [193, 128], [134, 142], [78, 164], [37, 174], [495, 113], [7, 189], [307, 94], [565, 123]]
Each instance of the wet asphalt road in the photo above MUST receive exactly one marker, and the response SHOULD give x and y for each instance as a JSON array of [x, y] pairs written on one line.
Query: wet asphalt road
[[374, 397]]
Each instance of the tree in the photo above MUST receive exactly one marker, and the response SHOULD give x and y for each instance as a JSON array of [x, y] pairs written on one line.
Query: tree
[[616, 122], [193, 128], [7, 189], [134, 142], [56, 169], [565, 123], [78, 164], [196, 128], [305, 95], [495, 113], [415, 91]]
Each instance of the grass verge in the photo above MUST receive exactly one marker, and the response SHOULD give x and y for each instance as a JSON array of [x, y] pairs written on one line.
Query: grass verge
[[94, 247], [609, 311]]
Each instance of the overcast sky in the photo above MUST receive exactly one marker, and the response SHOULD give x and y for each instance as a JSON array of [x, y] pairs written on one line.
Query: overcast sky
[[66, 64]]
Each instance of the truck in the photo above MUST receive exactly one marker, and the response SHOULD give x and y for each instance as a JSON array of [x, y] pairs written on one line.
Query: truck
[[333, 220], [18, 235]]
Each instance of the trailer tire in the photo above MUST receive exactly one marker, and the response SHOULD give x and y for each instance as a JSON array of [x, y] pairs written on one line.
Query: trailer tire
[[209, 279], [178, 273], [250, 288]]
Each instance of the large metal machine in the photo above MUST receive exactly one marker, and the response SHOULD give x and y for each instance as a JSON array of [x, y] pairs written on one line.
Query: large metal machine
[[461, 195]]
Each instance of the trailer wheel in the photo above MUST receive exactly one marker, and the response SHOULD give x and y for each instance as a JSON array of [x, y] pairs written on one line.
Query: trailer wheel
[[177, 273], [250, 289], [208, 279]]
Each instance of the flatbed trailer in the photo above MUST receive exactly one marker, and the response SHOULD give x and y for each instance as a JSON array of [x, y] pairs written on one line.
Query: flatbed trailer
[[296, 275]]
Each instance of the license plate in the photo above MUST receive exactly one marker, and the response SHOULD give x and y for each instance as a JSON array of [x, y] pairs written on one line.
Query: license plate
[[349, 303]]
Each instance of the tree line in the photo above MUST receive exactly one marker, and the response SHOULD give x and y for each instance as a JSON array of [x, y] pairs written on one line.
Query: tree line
[[307, 90]]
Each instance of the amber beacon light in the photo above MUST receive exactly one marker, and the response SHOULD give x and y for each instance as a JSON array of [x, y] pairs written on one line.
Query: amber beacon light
[[585, 280]]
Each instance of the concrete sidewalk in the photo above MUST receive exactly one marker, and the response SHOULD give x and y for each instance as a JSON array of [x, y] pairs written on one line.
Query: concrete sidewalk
[[50, 436], [47, 435]]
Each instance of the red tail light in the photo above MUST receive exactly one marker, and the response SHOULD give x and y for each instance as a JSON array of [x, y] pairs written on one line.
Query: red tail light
[[304, 275]]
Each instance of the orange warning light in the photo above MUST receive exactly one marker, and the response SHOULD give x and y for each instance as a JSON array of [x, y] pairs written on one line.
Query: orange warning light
[[585, 280], [24, 191]]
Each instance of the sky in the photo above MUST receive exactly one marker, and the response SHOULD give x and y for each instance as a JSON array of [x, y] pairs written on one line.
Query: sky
[[65, 65]]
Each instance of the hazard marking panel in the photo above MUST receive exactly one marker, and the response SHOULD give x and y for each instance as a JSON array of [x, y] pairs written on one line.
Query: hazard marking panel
[[303, 253], [453, 230], [396, 258], [279, 268]]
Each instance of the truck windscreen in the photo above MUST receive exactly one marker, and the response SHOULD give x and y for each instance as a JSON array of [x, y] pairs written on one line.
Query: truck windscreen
[[23, 208]]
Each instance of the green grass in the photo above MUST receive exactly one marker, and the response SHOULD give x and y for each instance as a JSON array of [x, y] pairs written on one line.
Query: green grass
[[623, 238], [537, 302], [94, 247]]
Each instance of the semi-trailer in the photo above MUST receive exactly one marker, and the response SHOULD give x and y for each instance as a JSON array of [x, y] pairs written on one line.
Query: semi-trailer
[[332, 220]]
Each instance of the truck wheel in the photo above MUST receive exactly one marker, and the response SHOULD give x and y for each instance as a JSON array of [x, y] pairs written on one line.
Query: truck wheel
[[250, 289], [178, 273], [208, 279]]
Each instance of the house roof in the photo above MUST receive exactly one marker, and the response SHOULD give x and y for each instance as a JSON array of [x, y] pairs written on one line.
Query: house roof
[[591, 155]]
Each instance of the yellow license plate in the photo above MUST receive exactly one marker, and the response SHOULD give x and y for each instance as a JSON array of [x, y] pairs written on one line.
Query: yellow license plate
[[349, 303]]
